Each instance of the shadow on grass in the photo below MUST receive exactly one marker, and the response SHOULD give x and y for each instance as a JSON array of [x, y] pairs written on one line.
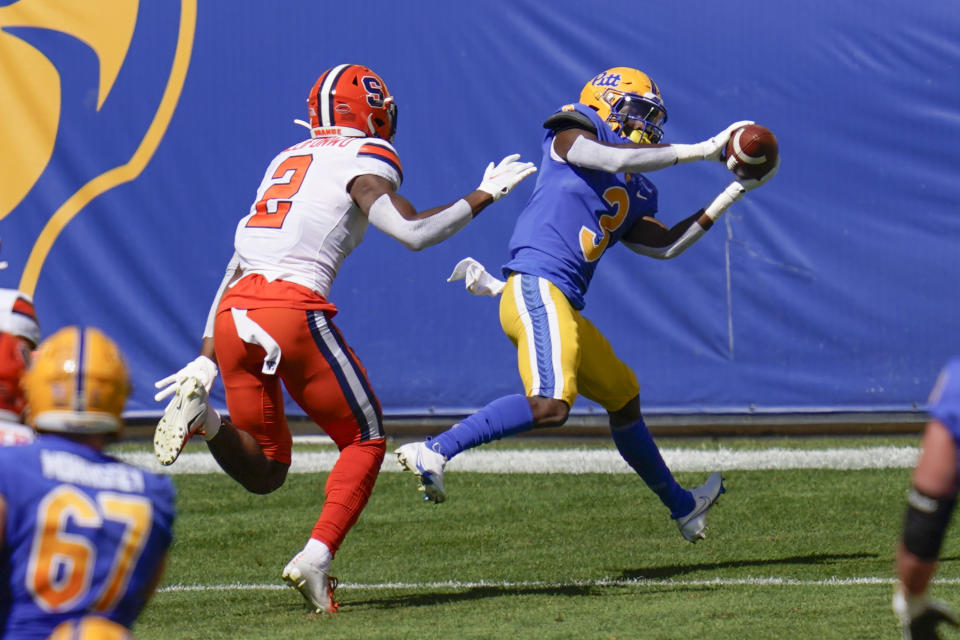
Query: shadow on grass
[[478, 593], [670, 571]]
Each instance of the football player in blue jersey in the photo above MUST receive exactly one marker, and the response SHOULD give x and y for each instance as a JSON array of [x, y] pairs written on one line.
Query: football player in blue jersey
[[930, 505], [81, 533], [590, 194]]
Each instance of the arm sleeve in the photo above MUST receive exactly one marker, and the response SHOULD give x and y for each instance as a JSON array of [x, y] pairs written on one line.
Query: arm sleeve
[[425, 232], [680, 237], [227, 276], [693, 233], [590, 154]]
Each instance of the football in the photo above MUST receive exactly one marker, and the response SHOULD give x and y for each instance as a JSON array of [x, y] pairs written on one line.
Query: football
[[751, 151]]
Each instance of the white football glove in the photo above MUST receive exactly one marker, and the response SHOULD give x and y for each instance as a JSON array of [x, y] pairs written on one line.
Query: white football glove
[[749, 184], [735, 190], [202, 368], [500, 179], [476, 279], [920, 615], [710, 149]]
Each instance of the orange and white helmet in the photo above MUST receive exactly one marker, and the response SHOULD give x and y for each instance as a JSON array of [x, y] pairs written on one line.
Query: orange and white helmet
[[77, 383], [14, 360], [629, 101], [18, 316], [351, 99]]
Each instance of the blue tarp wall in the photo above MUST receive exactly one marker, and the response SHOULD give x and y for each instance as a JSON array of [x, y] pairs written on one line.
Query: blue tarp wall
[[134, 134]]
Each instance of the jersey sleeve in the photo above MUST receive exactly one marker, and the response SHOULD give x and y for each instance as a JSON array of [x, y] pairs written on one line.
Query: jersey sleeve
[[944, 402], [379, 158]]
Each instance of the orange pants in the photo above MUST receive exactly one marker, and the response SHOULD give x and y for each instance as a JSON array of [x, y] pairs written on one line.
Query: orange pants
[[322, 375], [320, 372]]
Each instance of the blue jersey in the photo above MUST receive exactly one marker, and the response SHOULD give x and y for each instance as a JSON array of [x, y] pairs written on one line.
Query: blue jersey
[[84, 533], [576, 214], [944, 403]]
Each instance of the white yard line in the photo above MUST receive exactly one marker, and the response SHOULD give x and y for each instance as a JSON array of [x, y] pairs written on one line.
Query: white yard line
[[585, 460], [761, 581]]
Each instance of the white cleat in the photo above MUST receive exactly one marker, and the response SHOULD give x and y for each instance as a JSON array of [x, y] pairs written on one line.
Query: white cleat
[[313, 582], [185, 415], [427, 465], [694, 524]]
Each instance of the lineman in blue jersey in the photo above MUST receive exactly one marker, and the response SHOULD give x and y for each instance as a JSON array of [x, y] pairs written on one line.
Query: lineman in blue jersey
[[590, 195], [930, 505], [81, 533]]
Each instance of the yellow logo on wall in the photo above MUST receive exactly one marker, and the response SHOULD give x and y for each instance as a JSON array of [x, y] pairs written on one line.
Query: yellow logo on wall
[[30, 90]]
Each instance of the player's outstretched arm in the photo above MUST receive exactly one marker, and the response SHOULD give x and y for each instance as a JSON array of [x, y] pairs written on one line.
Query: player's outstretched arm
[[581, 148], [652, 238], [734, 191], [396, 216]]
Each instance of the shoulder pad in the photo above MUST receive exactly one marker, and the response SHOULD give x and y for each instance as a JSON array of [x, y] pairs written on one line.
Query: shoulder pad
[[383, 151], [569, 118]]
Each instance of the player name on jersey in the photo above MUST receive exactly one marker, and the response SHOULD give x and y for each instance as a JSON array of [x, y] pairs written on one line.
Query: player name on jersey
[[67, 467]]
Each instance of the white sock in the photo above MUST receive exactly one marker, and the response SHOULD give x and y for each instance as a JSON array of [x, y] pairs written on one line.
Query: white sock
[[317, 553]]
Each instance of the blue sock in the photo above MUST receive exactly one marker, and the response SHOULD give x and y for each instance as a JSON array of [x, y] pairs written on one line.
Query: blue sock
[[637, 447], [503, 417]]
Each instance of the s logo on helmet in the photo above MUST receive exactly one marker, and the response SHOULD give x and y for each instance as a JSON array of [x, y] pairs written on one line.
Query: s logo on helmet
[[375, 92], [65, 124]]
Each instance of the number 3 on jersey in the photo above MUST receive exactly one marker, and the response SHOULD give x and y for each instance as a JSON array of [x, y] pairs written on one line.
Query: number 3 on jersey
[[281, 192], [592, 246]]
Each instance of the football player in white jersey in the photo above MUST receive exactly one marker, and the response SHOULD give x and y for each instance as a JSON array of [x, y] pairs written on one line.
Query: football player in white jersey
[[271, 320]]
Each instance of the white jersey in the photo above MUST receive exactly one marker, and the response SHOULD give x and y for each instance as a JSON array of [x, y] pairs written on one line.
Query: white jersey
[[303, 222]]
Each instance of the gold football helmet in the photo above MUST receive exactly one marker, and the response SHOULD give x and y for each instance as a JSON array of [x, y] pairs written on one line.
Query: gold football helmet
[[629, 101], [91, 627], [77, 383]]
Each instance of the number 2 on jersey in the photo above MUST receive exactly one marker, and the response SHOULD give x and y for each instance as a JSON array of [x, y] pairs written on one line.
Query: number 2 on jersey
[[590, 245], [281, 192]]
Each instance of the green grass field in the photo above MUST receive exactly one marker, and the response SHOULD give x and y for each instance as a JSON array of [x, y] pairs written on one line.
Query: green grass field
[[791, 553]]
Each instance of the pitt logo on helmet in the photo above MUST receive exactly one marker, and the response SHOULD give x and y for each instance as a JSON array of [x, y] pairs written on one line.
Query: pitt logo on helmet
[[77, 383], [606, 79], [630, 103]]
